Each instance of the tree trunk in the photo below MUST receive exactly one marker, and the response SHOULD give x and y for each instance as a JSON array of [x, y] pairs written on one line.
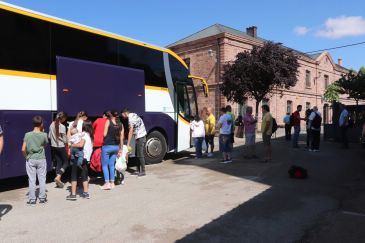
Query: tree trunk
[[257, 108]]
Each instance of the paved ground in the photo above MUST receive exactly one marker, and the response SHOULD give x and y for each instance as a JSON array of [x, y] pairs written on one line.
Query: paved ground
[[189, 200]]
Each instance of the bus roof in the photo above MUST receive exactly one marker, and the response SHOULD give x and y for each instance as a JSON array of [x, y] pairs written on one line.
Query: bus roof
[[55, 20]]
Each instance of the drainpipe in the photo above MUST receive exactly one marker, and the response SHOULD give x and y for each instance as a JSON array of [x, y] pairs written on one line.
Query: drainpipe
[[218, 77]]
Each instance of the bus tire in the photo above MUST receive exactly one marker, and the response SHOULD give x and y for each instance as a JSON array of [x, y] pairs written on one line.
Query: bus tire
[[156, 147]]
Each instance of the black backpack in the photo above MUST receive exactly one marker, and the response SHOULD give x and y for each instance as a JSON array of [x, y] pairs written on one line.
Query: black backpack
[[274, 125], [316, 123]]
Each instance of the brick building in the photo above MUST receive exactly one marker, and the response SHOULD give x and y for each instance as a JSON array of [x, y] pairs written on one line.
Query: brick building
[[207, 51]]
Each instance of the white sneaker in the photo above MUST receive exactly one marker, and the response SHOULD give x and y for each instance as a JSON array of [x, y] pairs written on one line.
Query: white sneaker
[[209, 155]]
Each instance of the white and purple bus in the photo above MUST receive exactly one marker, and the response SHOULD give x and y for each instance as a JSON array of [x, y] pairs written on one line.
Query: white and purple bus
[[49, 65]]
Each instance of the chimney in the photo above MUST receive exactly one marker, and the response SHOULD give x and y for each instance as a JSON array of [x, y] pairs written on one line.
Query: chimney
[[252, 31], [340, 61]]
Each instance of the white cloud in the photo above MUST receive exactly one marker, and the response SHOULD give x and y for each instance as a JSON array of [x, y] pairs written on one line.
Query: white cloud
[[301, 30], [343, 26]]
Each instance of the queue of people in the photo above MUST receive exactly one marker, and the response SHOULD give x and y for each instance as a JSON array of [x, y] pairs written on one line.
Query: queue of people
[[75, 146]]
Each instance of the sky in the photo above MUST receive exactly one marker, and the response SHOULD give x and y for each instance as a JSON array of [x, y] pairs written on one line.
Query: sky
[[303, 25]]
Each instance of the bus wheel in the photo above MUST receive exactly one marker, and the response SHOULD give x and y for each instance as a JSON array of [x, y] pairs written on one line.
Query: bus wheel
[[156, 148]]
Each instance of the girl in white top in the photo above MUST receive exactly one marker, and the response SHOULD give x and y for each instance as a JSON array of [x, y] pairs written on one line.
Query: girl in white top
[[198, 133], [86, 144]]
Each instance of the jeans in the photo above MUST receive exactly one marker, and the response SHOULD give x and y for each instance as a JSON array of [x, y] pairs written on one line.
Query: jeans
[[296, 136], [77, 156], [108, 157], [59, 156], [36, 168], [198, 142], [140, 144], [287, 132], [315, 137]]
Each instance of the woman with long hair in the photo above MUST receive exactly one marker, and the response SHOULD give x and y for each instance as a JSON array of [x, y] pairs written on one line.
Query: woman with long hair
[[58, 138], [86, 144], [113, 142]]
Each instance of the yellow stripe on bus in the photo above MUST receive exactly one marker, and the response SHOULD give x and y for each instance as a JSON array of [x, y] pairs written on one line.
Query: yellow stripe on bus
[[156, 88], [90, 30], [27, 74], [184, 120]]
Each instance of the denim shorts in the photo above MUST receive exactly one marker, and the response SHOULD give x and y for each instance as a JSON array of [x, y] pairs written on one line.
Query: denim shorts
[[225, 143]]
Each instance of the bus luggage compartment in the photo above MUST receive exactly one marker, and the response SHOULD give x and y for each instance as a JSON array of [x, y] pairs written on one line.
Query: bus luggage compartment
[[96, 87]]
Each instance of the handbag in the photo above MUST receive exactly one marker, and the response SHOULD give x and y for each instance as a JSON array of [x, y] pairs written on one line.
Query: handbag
[[238, 132], [121, 162]]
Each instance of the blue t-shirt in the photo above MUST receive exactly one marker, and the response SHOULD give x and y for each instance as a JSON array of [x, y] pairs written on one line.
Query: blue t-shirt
[[226, 121], [343, 118]]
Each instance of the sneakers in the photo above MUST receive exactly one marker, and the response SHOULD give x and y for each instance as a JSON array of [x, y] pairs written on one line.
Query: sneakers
[[210, 155], [85, 195], [59, 183], [71, 197], [142, 174], [43, 200], [31, 202]]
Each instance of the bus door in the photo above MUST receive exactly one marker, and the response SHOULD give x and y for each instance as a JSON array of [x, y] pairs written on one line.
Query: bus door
[[186, 110]]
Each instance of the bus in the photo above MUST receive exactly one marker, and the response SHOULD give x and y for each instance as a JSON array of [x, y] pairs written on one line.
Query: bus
[[48, 65]]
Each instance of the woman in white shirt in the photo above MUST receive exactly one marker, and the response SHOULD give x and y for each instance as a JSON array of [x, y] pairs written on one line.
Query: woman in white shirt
[[87, 144], [198, 134]]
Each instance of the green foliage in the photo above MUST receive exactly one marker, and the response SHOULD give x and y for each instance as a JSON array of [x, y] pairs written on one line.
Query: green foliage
[[362, 70], [255, 74], [353, 85], [332, 93]]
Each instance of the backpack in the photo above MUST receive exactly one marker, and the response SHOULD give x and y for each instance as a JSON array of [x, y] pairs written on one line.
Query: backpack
[[297, 172], [316, 123], [274, 125]]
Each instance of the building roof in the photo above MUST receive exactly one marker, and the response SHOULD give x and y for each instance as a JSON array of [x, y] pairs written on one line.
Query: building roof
[[213, 30], [217, 29]]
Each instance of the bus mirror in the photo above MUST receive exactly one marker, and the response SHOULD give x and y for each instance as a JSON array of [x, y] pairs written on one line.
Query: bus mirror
[[204, 84]]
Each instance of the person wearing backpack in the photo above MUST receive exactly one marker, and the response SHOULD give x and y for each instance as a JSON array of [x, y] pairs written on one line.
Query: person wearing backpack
[[314, 124]]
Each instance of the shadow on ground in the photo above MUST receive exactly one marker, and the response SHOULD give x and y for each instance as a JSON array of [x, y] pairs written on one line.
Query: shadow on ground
[[290, 208], [4, 209]]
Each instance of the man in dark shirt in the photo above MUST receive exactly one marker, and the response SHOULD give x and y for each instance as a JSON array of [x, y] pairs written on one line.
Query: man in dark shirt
[[296, 125]]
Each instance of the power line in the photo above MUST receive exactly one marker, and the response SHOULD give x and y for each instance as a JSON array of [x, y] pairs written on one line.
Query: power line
[[337, 47]]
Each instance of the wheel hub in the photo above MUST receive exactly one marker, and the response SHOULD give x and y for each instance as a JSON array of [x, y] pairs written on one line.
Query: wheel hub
[[153, 147]]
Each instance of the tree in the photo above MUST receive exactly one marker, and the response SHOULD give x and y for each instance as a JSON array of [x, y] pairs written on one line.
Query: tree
[[332, 93], [255, 74], [353, 85]]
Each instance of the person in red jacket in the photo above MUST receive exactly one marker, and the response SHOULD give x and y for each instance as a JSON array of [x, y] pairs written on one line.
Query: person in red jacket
[[98, 126]]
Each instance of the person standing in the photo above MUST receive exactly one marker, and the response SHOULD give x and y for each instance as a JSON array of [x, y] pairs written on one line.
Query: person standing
[[308, 112], [112, 145], [296, 125], [343, 122], [249, 123], [314, 125], [36, 165], [57, 136], [209, 124], [98, 127], [1, 140], [230, 113], [86, 144], [287, 125], [225, 128], [137, 128], [198, 134], [266, 129]]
